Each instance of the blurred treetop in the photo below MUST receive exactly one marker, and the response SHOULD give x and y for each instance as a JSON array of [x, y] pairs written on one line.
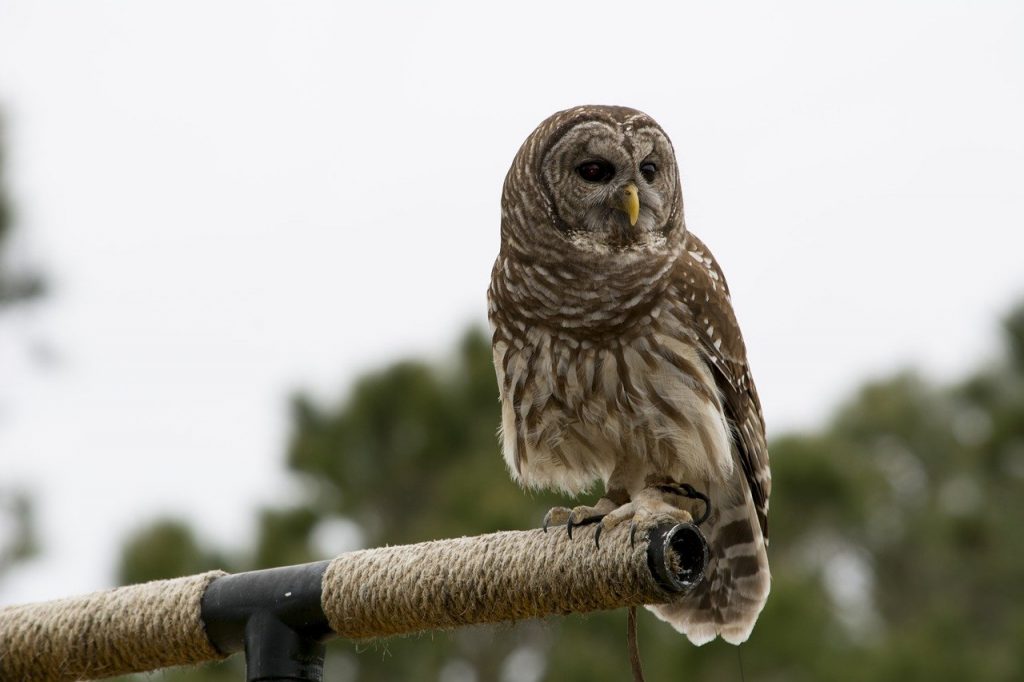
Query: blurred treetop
[[14, 286], [17, 535]]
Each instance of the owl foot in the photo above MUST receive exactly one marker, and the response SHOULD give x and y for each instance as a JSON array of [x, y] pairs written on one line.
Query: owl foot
[[654, 504], [578, 516]]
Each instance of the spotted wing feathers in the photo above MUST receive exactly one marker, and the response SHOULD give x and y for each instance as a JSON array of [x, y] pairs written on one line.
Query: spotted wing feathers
[[702, 288]]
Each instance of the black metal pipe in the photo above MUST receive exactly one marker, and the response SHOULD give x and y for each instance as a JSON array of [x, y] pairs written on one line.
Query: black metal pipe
[[275, 616]]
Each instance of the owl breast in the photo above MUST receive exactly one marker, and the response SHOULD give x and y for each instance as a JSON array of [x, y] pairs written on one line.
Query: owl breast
[[575, 409]]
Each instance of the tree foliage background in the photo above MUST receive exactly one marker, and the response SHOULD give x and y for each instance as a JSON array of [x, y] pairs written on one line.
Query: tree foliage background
[[896, 547], [17, 286]]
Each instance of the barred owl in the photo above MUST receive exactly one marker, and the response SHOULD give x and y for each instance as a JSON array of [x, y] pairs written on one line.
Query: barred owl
[[619, 358]]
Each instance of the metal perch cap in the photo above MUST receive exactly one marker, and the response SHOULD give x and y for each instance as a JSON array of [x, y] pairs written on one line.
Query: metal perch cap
[[677, 556]]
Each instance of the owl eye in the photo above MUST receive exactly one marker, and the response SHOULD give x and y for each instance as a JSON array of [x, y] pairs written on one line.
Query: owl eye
[[596, 171], [648, 169]]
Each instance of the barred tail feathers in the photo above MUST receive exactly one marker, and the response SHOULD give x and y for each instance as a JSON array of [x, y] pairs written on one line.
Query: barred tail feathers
[[736, 584]]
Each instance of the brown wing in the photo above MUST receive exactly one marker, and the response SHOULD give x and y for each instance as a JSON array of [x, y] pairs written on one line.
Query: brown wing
[[703, 290]]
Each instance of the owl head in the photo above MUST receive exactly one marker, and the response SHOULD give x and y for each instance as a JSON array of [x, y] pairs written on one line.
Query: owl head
[[594, 180]]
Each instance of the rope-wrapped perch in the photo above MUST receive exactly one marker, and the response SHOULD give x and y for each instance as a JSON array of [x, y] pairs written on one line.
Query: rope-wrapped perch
[[128, 629], [506, 576]]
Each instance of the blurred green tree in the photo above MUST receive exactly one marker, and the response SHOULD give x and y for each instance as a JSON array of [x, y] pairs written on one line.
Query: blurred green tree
[[895, 547], [16, 285], [17, 535], [17, 528]]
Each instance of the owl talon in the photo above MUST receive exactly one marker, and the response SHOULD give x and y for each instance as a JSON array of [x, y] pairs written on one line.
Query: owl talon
[[692, 493], [632, 534], [572, 523], [687, 490], [555, 516]]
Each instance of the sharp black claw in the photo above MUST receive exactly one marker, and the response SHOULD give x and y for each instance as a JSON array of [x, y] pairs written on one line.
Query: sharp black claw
[[547, 520], [568, 526], [692, 493], [597, 535], [632, 534]]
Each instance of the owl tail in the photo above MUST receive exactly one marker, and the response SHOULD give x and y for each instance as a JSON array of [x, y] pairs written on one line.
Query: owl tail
[[736, 582]]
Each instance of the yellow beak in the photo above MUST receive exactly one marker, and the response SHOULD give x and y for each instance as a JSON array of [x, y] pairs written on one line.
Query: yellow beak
[[631, 203]]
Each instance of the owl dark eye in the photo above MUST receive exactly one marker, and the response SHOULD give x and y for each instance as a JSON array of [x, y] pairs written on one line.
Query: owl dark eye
[[648, 169], [596, 171]]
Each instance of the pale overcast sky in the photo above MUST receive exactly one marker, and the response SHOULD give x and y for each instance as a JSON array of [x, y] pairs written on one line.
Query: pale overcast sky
[[235, 200]]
